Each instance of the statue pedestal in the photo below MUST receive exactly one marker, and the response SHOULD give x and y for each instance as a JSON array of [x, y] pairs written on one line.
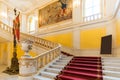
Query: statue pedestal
[[27, 66]]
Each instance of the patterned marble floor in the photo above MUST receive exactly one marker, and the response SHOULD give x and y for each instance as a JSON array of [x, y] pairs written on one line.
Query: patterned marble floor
[[4, 76]]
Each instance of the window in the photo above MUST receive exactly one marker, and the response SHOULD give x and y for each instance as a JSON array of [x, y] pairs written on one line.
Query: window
[[92, 10], [31, 24]]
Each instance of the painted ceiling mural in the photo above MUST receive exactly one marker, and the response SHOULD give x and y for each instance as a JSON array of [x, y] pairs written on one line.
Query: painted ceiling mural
[[55, 12]]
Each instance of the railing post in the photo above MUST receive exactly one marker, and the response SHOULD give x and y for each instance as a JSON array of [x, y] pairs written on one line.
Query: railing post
[[27, 68], [27, 65]]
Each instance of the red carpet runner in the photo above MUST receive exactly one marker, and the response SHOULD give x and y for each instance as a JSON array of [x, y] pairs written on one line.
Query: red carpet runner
[[82, 68]]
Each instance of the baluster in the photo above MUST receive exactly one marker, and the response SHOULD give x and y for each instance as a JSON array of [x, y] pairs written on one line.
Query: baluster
[[54, 54], [49, 56], [44, 60], [44, 43], [47, 44], [41, 61], [37, 63]]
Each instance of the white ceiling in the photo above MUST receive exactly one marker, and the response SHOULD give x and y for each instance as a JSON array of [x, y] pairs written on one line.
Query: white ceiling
[[24, 5]]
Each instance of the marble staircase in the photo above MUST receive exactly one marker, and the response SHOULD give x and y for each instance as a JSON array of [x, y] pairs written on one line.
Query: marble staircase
[[50, 71], [111, 68]]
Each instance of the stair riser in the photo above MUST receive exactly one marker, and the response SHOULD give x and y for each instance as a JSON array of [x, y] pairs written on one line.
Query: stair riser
[[87, 71], [81, 76], [113, 65]]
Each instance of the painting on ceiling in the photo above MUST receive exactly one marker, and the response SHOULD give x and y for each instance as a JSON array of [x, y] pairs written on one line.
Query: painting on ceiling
[[55, 12]]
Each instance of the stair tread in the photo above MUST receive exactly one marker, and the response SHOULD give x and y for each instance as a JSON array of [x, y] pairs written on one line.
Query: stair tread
[[82, 73], [49, 73], [53, 69], [112, 72], [111, 78], [84, 61], [111, 67], [42, 78], [82, 68], [70, 77], [57, 66], [84, 64]]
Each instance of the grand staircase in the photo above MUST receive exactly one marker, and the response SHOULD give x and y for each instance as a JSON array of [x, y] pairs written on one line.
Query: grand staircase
[[64, 66], [81, 68], [50, 71]]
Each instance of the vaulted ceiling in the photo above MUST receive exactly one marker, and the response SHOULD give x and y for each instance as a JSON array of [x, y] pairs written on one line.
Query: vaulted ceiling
[[25, 5]]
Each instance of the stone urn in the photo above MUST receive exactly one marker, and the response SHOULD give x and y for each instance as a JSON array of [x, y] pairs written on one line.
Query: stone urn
[[26, 47]]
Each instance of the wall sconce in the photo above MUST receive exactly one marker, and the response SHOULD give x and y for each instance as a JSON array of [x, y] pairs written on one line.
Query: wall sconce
[[76, 3]]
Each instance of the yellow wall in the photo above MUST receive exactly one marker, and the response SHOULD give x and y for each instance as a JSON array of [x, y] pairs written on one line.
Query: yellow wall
[[91, 38], [66, 39], [8, 48], [118, 32]]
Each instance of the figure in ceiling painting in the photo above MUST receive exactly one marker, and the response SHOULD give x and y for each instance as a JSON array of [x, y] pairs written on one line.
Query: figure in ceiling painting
[[63, 6]]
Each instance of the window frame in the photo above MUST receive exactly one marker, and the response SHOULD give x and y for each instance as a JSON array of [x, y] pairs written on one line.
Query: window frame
[[102, 10]]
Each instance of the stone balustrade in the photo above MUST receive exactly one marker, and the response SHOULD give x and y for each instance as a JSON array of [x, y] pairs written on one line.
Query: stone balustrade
[[28, 66]]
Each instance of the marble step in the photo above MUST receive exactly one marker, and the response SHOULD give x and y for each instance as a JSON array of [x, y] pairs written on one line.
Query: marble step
[[110, 78], [111, 64], [53, 70], [58, 63], [112, 58], [38, 77], [56, 66], [64, 61], [67, 58], [48, 74], [111, 73], [111, 68], [106, 62], [111, 61]]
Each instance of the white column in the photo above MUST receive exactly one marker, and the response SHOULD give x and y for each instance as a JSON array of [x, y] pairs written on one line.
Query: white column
[[77, 11], [111, 31], [76, 38]]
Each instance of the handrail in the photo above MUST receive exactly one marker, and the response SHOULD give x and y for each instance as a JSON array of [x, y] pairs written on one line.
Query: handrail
[[36, 40]]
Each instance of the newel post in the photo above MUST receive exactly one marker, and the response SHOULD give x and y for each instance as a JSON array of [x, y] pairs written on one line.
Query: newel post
[[27, 65]]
